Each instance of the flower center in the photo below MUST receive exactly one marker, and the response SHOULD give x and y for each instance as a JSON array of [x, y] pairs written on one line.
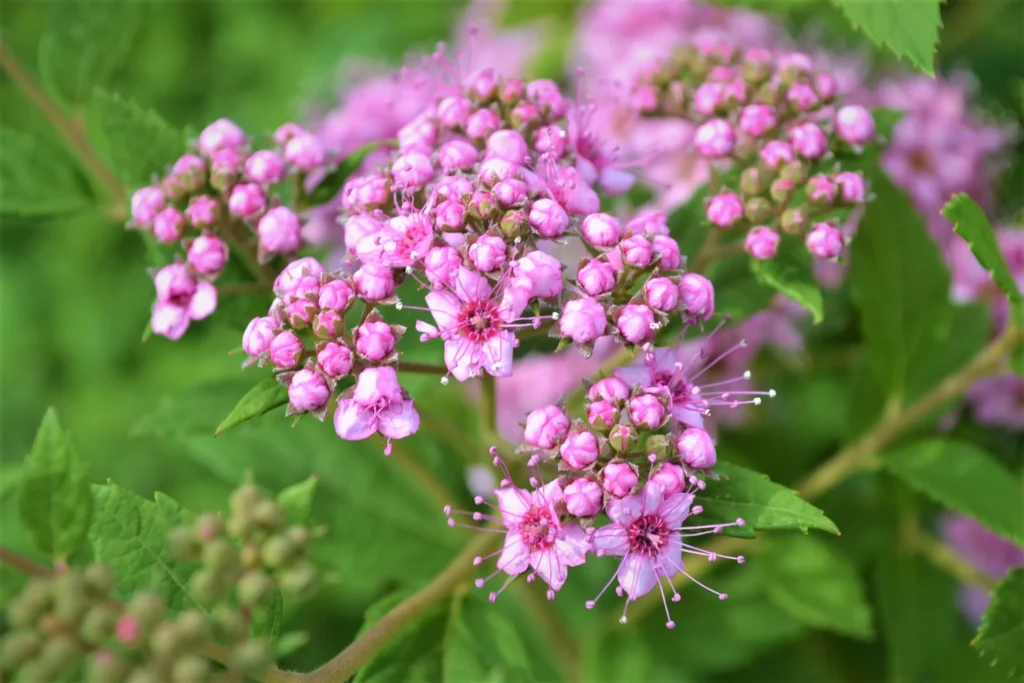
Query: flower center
[[921, 160], [538, 529], [479, 321], [648, 535], [679, 388]]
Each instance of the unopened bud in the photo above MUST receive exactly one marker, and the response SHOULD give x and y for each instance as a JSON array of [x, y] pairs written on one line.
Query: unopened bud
[[17, 648], [268, 515], [794, 172], [298, 580], [182, 543], [758, 210], [58, 654], [250, 657], [190, 669], [219, 555], [298, 535], [753, 181], [105, 667], [205, 587], [244, 497], [277, 551], [228, 624], [147, 608], [100, 578], [98, 624], [254, 587], [191, 627], [167, 641], [794, 222], [26, 609]]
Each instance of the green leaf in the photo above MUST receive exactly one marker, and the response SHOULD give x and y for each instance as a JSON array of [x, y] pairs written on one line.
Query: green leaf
[[910, 28], [964, 478], [290, 642], [84, 45], [738, 294], [261, 399], [761, 503], [332, 182], [38, 178], [519, 12], [816, 585], [790, 273], [970, 222], [1002, 628], [135, 143], [129, 533], [268, 618], [1017, 319], [297, 500], [54, 494], [687, 223], [886, 120]]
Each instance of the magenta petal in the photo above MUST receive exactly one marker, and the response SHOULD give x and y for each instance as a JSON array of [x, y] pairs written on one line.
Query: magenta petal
[[549, 494], [399, 420], [625, 511], [513, 504], [688, 416], [470, 286], [514, 557], [462, 357], [637, 575], [169, 320], [676, 508], [653, 493], [497, 354], [548, 567], [611, 540], [352, 422], [204, 301], [634, 374], [445, 308], [572, 546]]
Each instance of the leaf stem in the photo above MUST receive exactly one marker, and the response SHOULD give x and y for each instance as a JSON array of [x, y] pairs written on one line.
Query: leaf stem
[[67, 127]]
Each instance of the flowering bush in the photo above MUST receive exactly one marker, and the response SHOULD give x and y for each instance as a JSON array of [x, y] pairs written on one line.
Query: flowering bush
[[565, 286]]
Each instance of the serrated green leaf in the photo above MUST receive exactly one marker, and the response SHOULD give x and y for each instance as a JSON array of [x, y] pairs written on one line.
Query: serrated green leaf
[[761, 503], [816, 585], [332, 182], [962, 477], [790, 273], [136, 143], [38, 178], [84, 45], [1002, 628], [970, 222], [129, 534], [55, 502], [289, 643], [910, 28], [297, 500], [259, 400]]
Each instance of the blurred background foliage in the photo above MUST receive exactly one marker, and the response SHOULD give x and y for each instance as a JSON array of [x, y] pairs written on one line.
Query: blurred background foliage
[[74, 300]]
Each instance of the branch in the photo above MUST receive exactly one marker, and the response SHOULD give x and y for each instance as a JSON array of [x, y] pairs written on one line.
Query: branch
[[945, 559], [422, 368]]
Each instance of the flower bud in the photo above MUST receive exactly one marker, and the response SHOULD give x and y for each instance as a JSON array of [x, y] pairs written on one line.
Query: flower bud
[[635, 323], [855, 125], [544, 273], [441, 265], [852, 189], [305, 152], [250, 656], [596, 278], [648, 223], [758, 210], [265, 167], [546, 427], [601, 230], [374, 340], [637, 251], [456, 155], [583, 320], [187, 176], [453, 111], [753, 181], [508, 145], [254, 587], [202, 212], [780, 191], [335, 295], [374, 282], [100, 578], [298, 580], [671, 477], [225, 166], [579, 450], [619, 478], [168, 225], [247, 199], [488, 253], [277, 551], [219, 556], [609, 389], [208, 254], [419, 135], [335, 359], [646, 412], [285, 350], [481, 124], [583, 497], [661, 294], [221, 134], [802, 97], [825, 241], [793, 221], [715, 139], [708, 97], [809, 140], [762, 243], [821, 190], [450, 215], [697, 297], [550, 140], [307, 391], [524, 115], [757, 119], [190, 669], [300, 313], [412, 171], [601, 414], [18, 648], [725, 209], [258, 336], [510, 192], [548, 218], [328, 324], [696, 448], [776, 153], [668, 251]]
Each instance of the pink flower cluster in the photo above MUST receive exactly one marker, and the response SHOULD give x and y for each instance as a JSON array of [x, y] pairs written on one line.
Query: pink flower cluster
[[991, 555], [221, 191], [774, 129]]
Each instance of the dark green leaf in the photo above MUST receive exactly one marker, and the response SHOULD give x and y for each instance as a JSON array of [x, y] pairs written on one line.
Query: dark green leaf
[[37, 178], [816, 585], [135, 143], [961, 476], [910, 28], [1017, 319], [331, 184], [738, 294], [1002, 628], [261, 399], [297, 500], [970, 222], [762, 504], [55, 501], [791, 274], [687, 223]]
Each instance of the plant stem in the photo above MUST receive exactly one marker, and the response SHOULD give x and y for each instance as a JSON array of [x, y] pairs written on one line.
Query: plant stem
[[488, 410], [945, 559], [241, 240], [422, 368], [67, 127]]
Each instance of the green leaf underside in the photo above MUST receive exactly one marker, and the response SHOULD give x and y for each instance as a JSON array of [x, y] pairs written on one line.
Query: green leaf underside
[[1001, 635], [297, 500], [910, 28], [55, 501], [762, 504], [970, 222], [259, 400], [961, 476], [37, 178], [791, 273]]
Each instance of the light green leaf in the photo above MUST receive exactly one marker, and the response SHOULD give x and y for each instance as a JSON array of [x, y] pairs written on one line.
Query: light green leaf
[[37, 178], [910, 28], [1017, 319], [289, 643], [886, 120], [129, 533], [259, 400], [135, 143], [55, 502], [297, 500], [964, 478], [970, 222], [816, 585], [791, 274], [761, 503], [1002, 628], [268, 618]]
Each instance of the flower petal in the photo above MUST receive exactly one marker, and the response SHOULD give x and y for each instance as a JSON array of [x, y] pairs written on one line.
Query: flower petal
[[515, 558], [685, 413], [352, 422], [169, 320], [549, 567], [638, 373], [445, 308], [470, 286], [497, 354], [399, 420], [626, 510], [611, 540], [676, 508], [204, 301], [513, 503], [462, 357], [637, 575], [572, 545], [653, 493], [549, 494]]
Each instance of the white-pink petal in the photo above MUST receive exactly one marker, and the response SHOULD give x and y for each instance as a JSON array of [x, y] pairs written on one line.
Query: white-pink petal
[[352, 422], [445, 308], [637, 575], [204, 301], [515, 558], [399, 420]]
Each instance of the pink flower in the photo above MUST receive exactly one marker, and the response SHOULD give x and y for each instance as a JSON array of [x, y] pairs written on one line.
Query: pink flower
[[579, 450], [825, 241], [279, 231], [662, 294], [583, 320], [146, 204], [305, 152], [715, 139], [265, 167], [286, 350], [990, 554], [548, 218], [377, 404], [696, 449], [583, 497], [180, 299], [221, 134], [725, 209], [334, 359], [202, 211], [488, 253], [208, 254], [646, 412], [374, 282], [168, 225], [636, 323], [596, 278], [374, 340], [258, 335], [696, 298], [247, 199], [809, 140], [543, 271], [307, 392], [619, 478], [762, 243], [546, 427], [855, 125], [999, 401], [601, 230]]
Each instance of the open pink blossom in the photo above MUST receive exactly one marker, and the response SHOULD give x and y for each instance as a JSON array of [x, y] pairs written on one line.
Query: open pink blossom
[[377, 404], [180, 299]]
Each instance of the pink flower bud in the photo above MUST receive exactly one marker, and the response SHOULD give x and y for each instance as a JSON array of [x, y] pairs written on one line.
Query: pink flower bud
[[596, 278], [544, 273], [852, 189], [762, 243], [419, 135], [601, 230], [662, 294], [483, 85], [455, 187], [510, 192], [583, 497], [173, 282], [280, 231], [708, 97], [450, 215], [512, 91], [374, 282], [495, 169], [577, 197], [202, 212], [481, 124], [508, 145], [258, 336], [335, 295], [668, 249], [671, 477], [548, 218], [221, 134], [441, 264], [824, 241], [247, 199], [715, 139], [265, 167], [412, 171], [579, 450], [374, 340], [821, 189], [285, 350], [546, 427], [636, 323], [286, 131], [300, 313], [335, 359], [547, 96], [146, 204], [307, 391], [327, 324], [696, 449], [776, 153], [188, 175], [609, 389], [168, 225], [488, 253], [809, 140], [855, 125], [288, 280], [524, 115], [725, 209], [801, 96], [646, 412], [456, 155], [208, 254], [305, 152], [757, 119], [583, 320], [601, 414], [648, 223], [637, 251], [551, 140], [619, 479], [127, 629], [481, 204], [453, 111], [697, 297]]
